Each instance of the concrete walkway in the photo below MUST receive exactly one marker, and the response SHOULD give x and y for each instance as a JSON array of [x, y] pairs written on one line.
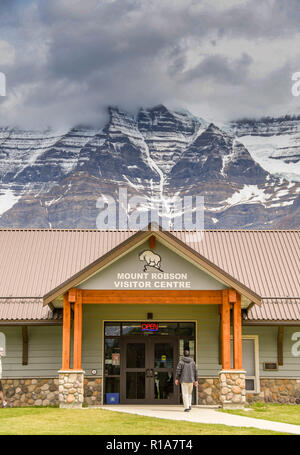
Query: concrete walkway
[[204, 415]]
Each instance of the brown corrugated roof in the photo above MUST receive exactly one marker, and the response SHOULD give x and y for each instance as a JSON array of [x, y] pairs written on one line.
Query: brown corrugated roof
[[33, 262], [36, 261], [275, 310], [27, 310], [268, 262]]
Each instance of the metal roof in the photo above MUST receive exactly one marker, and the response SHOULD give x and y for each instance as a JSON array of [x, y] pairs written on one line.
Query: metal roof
[[275, 310], [36, 261], [268, 262], [27, 310]]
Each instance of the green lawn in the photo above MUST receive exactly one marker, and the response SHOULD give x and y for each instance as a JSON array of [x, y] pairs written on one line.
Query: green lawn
[[286, 413], [54, 421]]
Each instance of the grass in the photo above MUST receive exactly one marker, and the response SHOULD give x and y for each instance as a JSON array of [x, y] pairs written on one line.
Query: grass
[[54, 421], [285, 413]]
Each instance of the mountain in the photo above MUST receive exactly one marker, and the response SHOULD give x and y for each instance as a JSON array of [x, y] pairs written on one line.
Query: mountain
[[247, 171]]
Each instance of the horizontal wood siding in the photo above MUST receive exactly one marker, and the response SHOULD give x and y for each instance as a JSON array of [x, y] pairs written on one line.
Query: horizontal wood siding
[[208, 329], [44, 352], [268, 350]]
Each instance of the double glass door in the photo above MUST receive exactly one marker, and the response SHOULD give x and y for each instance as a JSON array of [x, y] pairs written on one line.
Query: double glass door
[[148, 368]]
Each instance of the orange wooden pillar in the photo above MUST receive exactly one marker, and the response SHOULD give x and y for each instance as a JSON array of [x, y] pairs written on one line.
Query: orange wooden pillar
[[66, 334], [225, 330], [237, 334], [77, 331]]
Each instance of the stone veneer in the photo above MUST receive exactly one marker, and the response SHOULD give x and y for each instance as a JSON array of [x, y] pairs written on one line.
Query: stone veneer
[[44, 391], [70, 388], [208, 391], [31, 391], [277, 390], [233, 388], [93, 391]]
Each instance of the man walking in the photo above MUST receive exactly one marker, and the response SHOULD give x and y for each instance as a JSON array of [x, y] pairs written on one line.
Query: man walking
[[186, 374], [1, 388]]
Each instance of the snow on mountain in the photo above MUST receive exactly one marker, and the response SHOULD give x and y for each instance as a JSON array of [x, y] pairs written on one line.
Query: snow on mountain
[[273, 143], [247, 171]]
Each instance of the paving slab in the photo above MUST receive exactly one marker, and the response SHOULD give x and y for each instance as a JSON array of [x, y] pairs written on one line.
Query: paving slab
[[204, 415]]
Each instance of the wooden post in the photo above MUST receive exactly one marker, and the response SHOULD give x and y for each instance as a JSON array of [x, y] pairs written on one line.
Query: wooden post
[[220, 334], [77, 331], [25, 345], [237, 334], [226, 364], [66, 334], [152, 242], [280, 345]]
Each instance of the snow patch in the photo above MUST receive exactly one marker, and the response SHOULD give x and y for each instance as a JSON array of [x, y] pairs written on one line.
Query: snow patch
[[249, 194], [7, 200]]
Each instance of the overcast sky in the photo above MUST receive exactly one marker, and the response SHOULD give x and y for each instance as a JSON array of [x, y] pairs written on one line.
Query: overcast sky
[[67, 60]]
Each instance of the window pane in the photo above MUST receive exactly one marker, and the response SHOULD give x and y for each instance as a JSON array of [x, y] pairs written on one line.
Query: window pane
[[112, 390], [187, 329], [112, 329], [112, 385], [135, 328], [250, 384], [135, 385], [163, 385], [163, 355], [135, 355], [131, 328], [249, 357], [2, 343], [188, 345], [112, 356]]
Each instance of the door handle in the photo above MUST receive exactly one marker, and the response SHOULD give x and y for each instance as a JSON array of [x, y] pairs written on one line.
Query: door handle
[[149, 373]]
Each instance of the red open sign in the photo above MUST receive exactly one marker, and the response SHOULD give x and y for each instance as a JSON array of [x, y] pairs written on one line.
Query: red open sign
[[150, 326]]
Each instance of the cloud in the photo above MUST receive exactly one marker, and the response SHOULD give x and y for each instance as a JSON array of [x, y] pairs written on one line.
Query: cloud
[[72, 58]]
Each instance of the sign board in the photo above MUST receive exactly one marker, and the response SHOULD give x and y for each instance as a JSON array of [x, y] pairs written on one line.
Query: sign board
[[115, 359], [160, 268], [150, 326]]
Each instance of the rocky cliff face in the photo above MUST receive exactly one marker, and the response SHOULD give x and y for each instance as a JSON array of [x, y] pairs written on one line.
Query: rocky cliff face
[[248, 172]]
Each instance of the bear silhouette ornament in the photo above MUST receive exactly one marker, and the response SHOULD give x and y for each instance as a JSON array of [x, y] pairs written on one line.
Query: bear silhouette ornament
[[150, 259]]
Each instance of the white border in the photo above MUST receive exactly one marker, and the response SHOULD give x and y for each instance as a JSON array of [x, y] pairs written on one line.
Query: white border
[[256, 362]]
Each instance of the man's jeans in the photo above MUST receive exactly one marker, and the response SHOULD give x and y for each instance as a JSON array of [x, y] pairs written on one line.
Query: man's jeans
[[187, 390]]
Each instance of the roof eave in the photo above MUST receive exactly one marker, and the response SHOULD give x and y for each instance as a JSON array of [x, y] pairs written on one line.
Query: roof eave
[[134, 240]]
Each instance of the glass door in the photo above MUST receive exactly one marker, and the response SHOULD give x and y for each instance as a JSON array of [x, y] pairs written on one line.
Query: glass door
[[134, 359], [148, 367], [163, 363]]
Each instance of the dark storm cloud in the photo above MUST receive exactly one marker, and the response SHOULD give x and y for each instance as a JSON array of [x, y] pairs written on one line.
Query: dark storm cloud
[[75, 57], [222, 70]]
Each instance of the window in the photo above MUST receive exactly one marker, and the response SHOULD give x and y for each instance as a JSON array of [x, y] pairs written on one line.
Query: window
[[250, 361], [3, 343]]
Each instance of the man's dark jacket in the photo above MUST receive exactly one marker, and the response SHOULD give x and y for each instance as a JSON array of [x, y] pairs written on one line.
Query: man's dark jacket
[[186, 370]]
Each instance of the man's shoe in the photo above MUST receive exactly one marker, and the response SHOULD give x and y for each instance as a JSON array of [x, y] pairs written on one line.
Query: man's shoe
[[187, 410], [190, 408], [5, 404]]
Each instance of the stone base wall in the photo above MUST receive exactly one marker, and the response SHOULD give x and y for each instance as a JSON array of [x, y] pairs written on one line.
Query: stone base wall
[[71, 389], [93, 391], [276, 390], [31, 392], [208, 391], [233, 389]]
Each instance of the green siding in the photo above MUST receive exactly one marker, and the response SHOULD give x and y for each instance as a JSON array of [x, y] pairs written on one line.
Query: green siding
[[45, 341], [268, 350], [44, 353], [205, 315]]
